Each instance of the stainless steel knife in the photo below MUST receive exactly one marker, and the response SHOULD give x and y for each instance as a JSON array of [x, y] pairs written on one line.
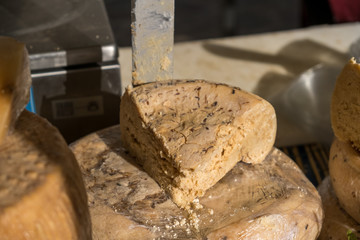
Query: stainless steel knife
[[152, 32]]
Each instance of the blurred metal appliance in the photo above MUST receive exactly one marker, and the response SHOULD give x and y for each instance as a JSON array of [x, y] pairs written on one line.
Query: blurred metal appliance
[[73, 59]]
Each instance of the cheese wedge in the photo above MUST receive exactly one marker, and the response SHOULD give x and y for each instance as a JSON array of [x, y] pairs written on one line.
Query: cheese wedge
[[345, 105], [15, 81], [188, 134], [337, 223], [42, 195], [269, 200], [344, 169]]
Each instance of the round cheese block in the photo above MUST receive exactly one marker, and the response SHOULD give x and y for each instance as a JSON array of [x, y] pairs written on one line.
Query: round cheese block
[[42, 195], [337, 223], [344, 169], [15, 82], [199, 131], [345, 104], [271, 200]]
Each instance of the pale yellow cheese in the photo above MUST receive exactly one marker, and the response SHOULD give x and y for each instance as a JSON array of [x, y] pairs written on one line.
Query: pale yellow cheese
[[345, 105], [187, 134], [337, 223], [42, 194], [344, 169], [15, 81], [269, 200]]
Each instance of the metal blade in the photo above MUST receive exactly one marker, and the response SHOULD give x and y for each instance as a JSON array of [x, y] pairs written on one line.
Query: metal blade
[[152, 40]]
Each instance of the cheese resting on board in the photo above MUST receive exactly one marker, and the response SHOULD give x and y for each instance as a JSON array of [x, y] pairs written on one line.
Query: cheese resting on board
[[269, 200], [187, 134]]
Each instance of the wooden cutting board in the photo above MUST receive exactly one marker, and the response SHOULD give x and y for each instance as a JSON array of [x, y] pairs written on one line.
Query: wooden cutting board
[[272, 200]]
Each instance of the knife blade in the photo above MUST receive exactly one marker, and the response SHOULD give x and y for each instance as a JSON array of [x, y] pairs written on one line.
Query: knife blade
[[152, 31]]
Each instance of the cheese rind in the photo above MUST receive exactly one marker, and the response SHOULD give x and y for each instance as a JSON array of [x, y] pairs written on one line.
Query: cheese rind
[[269, 200], [345, 105], [15, 81], [336, 222], [42, 195], [188, 134], [344, 169]]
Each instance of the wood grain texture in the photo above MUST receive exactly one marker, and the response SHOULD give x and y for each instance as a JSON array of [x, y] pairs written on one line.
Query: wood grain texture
[[152, 31]]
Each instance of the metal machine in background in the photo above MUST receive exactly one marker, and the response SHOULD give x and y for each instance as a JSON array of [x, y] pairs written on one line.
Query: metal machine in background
[[73, 59]]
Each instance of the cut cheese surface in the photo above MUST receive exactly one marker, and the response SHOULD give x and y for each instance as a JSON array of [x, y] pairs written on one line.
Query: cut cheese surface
[[344, 168], [345, 105], [42, 195], [337, 222], [15, 81], [269, 200], [187, 134]]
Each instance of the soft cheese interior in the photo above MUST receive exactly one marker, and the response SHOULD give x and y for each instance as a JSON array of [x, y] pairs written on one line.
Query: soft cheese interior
[[188, 134]]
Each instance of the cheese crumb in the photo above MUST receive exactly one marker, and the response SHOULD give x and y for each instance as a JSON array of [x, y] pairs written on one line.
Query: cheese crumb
[[182, 222], [194, 221], [196, 204]]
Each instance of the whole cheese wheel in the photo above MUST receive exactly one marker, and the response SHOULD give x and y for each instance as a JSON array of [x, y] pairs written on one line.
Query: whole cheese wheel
[[337, 223], [15, 81], [42, 195], [344, 169], [345, 105], [270, 200], [188, 134]]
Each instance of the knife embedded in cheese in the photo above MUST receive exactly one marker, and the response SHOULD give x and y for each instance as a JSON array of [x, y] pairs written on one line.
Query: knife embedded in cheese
[[15, 81], [188, 134], [152, 31]]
